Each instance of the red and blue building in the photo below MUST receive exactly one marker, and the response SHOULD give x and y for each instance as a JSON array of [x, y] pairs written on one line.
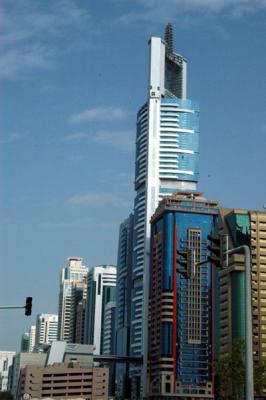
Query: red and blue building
[[181, 304]]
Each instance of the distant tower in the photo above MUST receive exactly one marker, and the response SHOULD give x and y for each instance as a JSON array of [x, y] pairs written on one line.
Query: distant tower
[[101, 291], [24, 342], [73, 283], [166, 161]]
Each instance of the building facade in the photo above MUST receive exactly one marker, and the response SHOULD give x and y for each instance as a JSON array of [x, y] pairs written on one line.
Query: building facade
[[73, 286], [109, 328], [62, 381], [46, 329], [181, 302], [243, 227], [20, 360], [32, 337], [6, 361], [101, 290], [166, 161], [80, 319], [24, 342]]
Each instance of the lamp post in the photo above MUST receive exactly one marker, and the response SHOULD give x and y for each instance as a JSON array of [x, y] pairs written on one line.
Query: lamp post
[[249, 378]]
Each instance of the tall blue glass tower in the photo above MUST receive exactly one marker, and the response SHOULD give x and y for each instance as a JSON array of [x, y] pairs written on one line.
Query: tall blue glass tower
[[166, 162]]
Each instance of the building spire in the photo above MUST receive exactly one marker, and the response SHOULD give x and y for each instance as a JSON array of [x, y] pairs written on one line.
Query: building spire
[[168, 37]]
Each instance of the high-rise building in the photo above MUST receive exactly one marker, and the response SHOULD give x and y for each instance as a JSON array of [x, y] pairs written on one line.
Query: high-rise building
[[166, 161], [181, 301], [46, 329], [73, 286], [123, 304], [243, 227], [101, 290], [80, 319], [27, 342]]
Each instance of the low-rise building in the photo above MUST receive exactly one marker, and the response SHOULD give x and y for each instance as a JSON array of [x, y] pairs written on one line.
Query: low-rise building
[[20, 360], [62, 381]]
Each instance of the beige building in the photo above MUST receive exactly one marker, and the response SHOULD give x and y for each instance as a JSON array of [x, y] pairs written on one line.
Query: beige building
[[59, 381], [243, 227]]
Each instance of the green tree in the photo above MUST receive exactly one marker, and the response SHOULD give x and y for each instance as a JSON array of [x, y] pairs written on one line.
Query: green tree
[[230, 372]]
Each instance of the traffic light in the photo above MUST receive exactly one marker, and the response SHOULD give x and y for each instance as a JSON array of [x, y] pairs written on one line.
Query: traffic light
[[215, 249], [28, 306], [185, 260], [219, 250]]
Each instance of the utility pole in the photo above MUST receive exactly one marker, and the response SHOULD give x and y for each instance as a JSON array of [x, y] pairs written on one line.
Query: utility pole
[[220, 253], [249, 378]]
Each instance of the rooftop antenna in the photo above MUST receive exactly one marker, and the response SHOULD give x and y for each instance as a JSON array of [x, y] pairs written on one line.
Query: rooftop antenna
[[168, 38]]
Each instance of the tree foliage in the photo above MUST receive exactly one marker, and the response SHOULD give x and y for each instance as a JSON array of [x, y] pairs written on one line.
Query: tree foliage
[[230, 374]]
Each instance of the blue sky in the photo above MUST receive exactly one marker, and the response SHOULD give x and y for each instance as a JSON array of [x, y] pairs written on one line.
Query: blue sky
[[72, 77]]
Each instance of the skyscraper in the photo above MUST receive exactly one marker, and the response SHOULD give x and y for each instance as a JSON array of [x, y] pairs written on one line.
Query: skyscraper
[[181, 302], [73, 283], [46, 329], [123, 302], [101, 290], [166, 161]]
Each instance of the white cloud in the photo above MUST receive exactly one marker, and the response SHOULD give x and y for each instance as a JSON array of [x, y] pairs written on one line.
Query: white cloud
[[100, 199], [120, 140], [16, 60], [13, 137], [32, 33], [76, 136], [165, 10], [99, 114], [88, 223]]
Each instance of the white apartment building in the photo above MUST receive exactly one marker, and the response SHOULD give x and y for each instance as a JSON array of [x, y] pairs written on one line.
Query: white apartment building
[[101, 290]]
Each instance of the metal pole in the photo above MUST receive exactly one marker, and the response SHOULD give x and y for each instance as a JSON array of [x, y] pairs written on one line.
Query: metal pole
[[249, 380], [10, 307]]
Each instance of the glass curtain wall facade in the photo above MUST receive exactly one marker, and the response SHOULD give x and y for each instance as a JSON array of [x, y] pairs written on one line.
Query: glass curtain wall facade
[[181, 350]]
